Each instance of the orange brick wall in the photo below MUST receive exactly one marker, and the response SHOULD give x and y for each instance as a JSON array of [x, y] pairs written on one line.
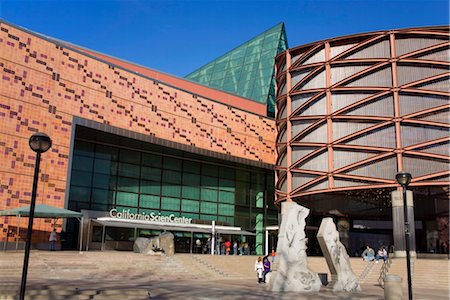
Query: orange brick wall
[[43, 86]]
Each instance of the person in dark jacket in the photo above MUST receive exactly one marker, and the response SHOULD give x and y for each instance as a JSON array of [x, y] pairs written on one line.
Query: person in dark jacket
[[266, 265]]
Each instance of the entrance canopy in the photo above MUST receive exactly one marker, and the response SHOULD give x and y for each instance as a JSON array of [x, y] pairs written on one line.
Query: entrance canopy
[[204, 228], [41, 211]]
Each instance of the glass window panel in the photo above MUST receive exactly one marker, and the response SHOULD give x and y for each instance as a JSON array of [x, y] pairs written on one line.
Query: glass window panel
[[128, 184], [227, 173], [226, 185], [208, 208], [237, 62], [104, 181], [251, 68], [218, 75], [190, 205], [221, 218], [79, 194], [129, 170], [105, 166], [151, 160], [133, 210], [168, 213], [170, 190], [83, 148], [191, 179], [191, 192], [234, 74], [170, 203], [240, 52], [229, 88], [226, 197], [209, 195], [216, 83], [191, 167], [101, 207], [191, 215], [81, 178], [226, 209], [148, 211], [245, 84], [219, 68], [242, 175], [268, 55], [150, 187], [106, 152], [100, 196], [208, 217], [151, 174], [172, 163], [171, 176], [80, 205], [129, 156], [242, 193], [128, 199], [149, 201], [210, 170], [82, 163], [258, 179], [252, 58], [210, 182]]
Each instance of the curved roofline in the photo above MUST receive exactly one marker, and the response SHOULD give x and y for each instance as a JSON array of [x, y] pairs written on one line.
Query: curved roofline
[[378, 32]]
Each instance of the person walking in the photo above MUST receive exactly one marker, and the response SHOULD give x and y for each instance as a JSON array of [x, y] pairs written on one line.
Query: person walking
[[52, 239], [259, 269], [246, 250], [227, 247], [266, 266], [235, 248]]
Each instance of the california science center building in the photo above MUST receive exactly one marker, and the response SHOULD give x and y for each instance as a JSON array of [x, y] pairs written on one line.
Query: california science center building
[[139, 152]]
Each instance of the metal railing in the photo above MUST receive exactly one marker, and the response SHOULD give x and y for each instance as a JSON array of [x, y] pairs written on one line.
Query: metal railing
[[384, 271]]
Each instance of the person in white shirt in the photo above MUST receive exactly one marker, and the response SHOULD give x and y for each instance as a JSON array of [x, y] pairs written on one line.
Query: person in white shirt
[[52, 239], [259, 268]]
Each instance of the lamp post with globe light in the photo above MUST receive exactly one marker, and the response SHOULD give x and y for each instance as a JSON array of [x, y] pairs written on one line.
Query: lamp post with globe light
[[39, 143], [404, 179]]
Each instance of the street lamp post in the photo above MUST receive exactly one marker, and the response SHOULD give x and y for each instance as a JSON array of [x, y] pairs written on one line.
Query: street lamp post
[[404, 179], [39, 143]]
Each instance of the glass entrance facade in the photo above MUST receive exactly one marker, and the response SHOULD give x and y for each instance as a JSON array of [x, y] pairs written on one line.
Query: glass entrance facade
[[110, 171]]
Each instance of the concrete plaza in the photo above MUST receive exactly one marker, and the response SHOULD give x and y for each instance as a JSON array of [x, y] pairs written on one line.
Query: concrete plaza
[[126, 275]]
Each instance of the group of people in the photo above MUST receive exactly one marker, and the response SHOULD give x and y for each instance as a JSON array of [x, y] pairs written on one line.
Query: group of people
[[369, 254], [262, 267], [227, 248]]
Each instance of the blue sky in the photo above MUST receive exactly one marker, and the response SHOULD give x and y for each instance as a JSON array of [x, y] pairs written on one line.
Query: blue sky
[[179, 36]]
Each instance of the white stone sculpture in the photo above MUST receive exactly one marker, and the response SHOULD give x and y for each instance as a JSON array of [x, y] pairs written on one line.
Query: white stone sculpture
[[291, 271], [342, 276]]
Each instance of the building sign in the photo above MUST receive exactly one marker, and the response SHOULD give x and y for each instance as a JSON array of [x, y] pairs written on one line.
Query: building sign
[[125, 214]]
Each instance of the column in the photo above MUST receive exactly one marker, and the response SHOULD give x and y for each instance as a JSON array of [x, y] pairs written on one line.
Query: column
[[398, 223]]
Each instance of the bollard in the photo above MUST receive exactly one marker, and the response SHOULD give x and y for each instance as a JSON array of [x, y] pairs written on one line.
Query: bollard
[[393, 287]]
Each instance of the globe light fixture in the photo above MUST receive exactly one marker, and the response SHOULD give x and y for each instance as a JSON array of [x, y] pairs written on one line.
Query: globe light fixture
[[39, 143], [403, 178]]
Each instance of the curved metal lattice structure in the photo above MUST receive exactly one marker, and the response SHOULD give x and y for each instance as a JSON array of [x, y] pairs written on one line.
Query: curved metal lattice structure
[[353, 111]]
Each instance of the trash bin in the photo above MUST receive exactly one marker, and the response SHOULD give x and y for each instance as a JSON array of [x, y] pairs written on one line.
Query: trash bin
[[393, 287], [323, 278]]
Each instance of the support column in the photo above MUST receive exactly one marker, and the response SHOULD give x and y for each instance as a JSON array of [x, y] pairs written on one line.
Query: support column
[[398, 223]]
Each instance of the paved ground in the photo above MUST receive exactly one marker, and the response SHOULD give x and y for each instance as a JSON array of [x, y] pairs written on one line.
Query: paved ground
[[116, 275]]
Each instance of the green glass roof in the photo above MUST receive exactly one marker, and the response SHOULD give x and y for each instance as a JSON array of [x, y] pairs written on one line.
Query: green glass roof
[[248, 70]]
